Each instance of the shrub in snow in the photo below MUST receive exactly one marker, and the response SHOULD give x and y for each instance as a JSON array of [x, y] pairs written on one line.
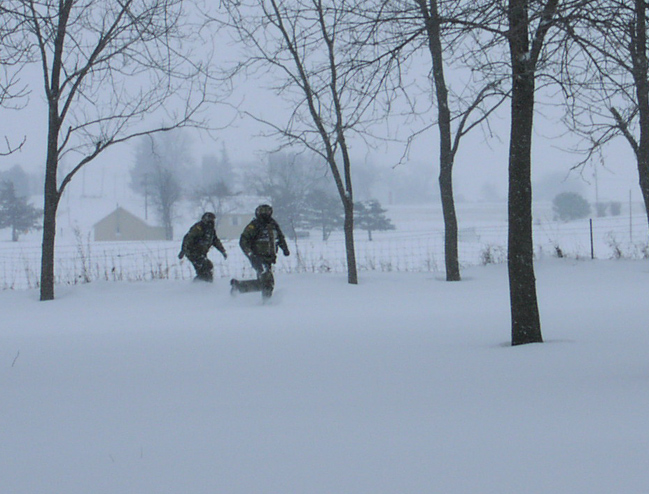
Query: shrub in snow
[[570, 206]]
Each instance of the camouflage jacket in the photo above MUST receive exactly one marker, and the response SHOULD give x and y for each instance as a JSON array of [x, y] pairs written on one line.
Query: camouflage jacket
[[262, 239], [199, 239]]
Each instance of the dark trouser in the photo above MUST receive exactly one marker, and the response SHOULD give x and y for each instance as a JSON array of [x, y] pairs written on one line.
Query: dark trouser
[[265, 281], [261, 264], [203, 266]]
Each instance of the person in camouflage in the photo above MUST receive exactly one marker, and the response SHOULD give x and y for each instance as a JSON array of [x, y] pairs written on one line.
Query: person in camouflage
[[196, 244], [260, 241]]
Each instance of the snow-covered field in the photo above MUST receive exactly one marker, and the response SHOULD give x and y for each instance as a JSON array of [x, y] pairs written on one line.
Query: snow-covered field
[[417, 245], [402, 384]]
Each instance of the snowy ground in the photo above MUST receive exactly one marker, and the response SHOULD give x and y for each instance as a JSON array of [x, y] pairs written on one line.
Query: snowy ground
[[402, 384], [417, 245]]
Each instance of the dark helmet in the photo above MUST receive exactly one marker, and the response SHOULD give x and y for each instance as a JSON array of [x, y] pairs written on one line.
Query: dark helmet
[[263, 212], [208, 217]]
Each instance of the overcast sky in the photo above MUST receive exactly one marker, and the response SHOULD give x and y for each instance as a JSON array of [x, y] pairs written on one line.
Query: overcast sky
[[480, 165]]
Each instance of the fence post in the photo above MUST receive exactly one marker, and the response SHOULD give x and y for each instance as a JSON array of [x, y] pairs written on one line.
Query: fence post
[[592, 247]]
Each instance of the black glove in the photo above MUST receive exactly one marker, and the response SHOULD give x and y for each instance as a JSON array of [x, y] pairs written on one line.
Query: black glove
[[225, 254], [285, 251], [181, 254]]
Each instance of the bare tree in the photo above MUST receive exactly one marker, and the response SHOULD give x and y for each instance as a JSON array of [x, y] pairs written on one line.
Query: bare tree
[[329, 79], [438, 21], [528, 28], [13, 55], [161, 166], [445, 29], [107, 68], [609, 81], [215, 188]]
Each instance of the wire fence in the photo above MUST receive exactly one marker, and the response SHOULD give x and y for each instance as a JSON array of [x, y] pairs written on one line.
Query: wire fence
[[84, 261]]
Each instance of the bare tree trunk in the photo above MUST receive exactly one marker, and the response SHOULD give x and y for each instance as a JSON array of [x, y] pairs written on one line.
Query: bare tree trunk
[[614, 37], [88, 51], [51, 191], [526, 324], [451, 254], [638, 48], [51, 204], [446, 158], [643, 170], [352, 272]]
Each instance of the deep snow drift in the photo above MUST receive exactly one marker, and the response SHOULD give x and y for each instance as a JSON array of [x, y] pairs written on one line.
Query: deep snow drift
[[402, 384]]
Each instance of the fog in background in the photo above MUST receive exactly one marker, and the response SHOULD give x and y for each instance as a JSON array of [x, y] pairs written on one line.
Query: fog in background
[[385, 169]]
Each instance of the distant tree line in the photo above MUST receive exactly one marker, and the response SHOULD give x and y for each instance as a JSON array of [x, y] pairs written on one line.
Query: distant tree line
[[302, 197]]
